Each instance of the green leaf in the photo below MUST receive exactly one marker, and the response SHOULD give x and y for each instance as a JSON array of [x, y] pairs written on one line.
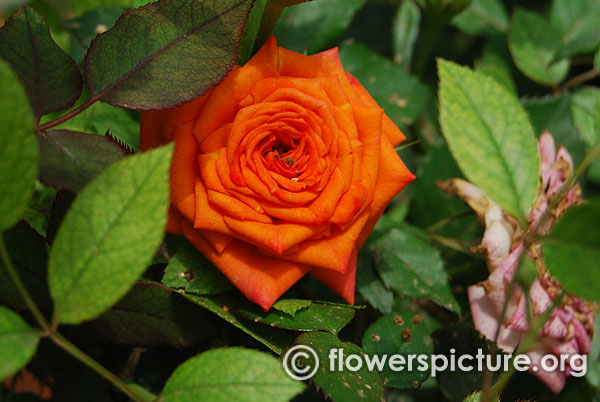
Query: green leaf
[[191, 271], [27, 251], [498, 73], [101, 118], [370, 286], [250, 34], [413, 268], [553, 114], [400, 94], [312, 27], [405, 30], [597, 60], [344, 385], [85, 28], [317, 317], [49, 75], [534, 44], [228, 374], [578, 21], [291, 306], [572, 251], [585, 107], [166, 53], [399, 334], [109, 236], [70, 159], [593, 172], [490, 137], [273, 338], [152, 315], [483, 17], [18, 342], [18, 149], [434, 204]]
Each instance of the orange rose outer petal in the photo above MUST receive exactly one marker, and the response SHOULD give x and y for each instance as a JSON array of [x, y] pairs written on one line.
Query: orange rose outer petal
[[260, 227]]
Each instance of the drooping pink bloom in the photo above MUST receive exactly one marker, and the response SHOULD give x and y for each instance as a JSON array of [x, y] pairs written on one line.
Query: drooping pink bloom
[[569, 329]]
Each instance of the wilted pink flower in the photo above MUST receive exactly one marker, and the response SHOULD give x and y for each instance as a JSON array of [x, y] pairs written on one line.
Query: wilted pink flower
[[569, 329]]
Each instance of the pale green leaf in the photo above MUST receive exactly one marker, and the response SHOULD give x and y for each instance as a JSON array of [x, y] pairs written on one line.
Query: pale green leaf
[[490, 136], [109, 236], [291, 306], [230, 374], [18, 342], [18, 149]]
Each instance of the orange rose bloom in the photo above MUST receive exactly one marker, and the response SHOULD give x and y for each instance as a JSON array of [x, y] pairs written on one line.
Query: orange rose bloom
[[282, 169]]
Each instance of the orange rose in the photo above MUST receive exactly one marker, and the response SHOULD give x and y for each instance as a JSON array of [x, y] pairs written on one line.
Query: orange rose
[[282, 169]]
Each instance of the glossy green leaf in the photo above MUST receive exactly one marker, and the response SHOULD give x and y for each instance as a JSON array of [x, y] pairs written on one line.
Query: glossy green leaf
[[49, 75], [70, 159], [291, 306], [166, 53], [585, 107], [490, 136], [18, 342], [18, 149], [152, 315], [312, 27], [405, 30], [400, 94], [273, 338], [191, 271], [483, 17], [340, 385], [597, 60], [230, 374], [401, 334], [578, 21], [413, 268], [370, 286], [572, 251], [316, 317], [109, 236], [28, 254], [534, 44]]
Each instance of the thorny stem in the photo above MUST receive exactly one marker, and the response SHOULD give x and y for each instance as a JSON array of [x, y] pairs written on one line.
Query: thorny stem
[[57, 338], [531, 236]]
